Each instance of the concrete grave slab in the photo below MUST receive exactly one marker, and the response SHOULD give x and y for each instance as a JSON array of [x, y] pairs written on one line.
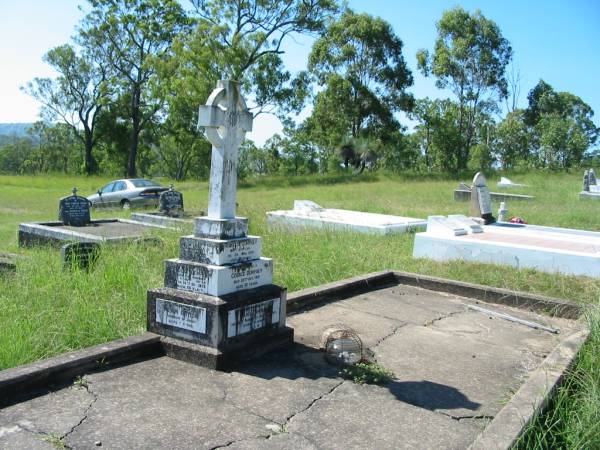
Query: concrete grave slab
[[155, 218], [463, 194], [110, 231], [508, 183], [455, 373], [548, 249], [308, 214]]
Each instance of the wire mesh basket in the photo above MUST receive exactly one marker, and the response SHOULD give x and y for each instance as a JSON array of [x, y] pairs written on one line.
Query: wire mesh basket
[[342, 346]]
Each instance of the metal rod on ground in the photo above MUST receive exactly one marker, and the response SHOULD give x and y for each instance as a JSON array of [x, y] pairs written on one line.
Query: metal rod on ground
[[514, 319]]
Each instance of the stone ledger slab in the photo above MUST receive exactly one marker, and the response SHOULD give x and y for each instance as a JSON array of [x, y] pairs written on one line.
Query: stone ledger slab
[[217, 280], [162, 220], [309, 214], [548, 249], [100, 231]]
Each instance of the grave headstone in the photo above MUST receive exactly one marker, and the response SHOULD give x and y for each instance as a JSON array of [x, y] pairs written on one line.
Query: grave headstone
[[586, 181], [171, 203], [74, 210], [8, 263], [80, 254], [481, 200], [219, 303], [592, 177]]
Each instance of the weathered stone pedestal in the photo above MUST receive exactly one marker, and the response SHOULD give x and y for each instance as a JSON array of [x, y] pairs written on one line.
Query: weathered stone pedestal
[[219, 305]]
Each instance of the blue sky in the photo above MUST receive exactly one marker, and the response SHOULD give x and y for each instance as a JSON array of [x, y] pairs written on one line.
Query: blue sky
[[558, 41]]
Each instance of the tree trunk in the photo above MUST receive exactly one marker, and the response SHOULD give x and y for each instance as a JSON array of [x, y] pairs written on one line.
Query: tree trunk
[[135, 132], [90, 162]]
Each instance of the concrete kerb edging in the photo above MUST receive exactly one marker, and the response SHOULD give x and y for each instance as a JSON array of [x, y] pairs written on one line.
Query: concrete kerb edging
[[504, 429], [538, 303], [532, 398], [338, 290], [18, 380]]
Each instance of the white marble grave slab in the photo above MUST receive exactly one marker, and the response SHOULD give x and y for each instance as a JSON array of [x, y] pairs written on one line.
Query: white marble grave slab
[[507, 183], [309, 214], [548, 249]]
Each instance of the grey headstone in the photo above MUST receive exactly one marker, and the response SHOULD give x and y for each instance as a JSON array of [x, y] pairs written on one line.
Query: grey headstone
[[80, 254], [481, 200], [586, 181], [592, 177], [74, 210], [171, 203]]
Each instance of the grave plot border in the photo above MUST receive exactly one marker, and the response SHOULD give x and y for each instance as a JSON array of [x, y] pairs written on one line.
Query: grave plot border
[[155, 218], [48, 233], [461, 195], [501, 433]]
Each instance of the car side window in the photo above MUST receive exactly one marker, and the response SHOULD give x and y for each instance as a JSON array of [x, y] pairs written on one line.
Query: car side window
[[119, 186], [107, 188]]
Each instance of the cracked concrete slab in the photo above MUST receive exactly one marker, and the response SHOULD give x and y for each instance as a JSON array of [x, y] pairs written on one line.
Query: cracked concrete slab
[[281, 441], [439, 372], [309, 326], [454, 370], [16, 437], [161, 404], [405, 303], [53, 415], [363, 416], [278, 389], [495, 331]]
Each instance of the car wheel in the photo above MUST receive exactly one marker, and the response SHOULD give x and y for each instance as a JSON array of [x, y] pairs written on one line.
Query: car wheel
[[125, 204]]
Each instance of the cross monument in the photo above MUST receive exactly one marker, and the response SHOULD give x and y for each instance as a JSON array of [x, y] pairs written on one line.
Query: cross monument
[[225, 119]]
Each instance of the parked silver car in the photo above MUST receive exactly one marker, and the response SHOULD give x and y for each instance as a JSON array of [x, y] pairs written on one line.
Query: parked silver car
[[127, 193]]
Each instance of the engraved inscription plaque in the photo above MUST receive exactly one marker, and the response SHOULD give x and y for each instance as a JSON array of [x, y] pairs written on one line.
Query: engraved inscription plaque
[[178, 315], [252, 317]]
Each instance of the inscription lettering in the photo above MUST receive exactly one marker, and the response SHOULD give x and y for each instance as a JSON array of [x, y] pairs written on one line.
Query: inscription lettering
[[178, 315], [252, 317]]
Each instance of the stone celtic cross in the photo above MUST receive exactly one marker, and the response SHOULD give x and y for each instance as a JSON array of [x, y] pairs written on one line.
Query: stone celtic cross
[[225, 119]]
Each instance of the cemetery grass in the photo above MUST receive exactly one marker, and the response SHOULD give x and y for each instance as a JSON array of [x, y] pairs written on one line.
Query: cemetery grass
[[46, 311]]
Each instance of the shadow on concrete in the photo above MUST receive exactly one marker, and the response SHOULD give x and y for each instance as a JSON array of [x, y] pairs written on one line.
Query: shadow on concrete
[[430, 395], [302, 361]]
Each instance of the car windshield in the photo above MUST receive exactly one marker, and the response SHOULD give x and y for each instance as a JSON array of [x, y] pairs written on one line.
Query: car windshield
[[144, 183]]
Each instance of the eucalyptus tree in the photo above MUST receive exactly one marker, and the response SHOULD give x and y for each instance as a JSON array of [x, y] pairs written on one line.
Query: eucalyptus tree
[[544, 100], [76, 96], [132, 38], [469, 58], [359, 63], [242, 40]]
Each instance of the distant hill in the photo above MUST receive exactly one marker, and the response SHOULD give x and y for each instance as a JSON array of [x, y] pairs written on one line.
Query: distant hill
[[14, 129]]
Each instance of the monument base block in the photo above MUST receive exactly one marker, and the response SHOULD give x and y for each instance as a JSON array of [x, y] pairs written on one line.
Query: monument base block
[[210, 330], [213, 358]]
